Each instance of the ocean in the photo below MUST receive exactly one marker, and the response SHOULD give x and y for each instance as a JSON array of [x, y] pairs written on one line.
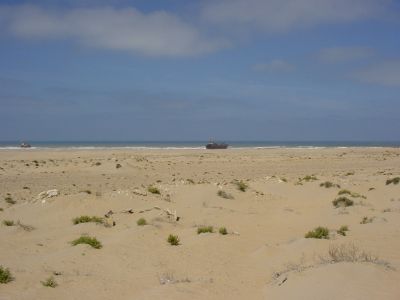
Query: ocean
[[192, 144]]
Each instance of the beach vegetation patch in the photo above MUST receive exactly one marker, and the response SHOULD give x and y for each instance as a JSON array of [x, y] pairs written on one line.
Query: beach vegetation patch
[[91, 241], [118, 166], [50, 282], [342, 230], [10, 200], [328, 184], [352, 194], [88, 219], [223, 231], [8, 222], [154, 190], [395, 180], [342, 202], [318, 233], [205, 229], [224, 194], [173, 240], [141, 222], [366, 220], [241, 186], [5, 275]]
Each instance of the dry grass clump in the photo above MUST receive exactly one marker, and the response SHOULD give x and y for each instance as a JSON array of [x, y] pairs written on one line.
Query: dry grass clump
[[141, 222], [395, 180], [5, 275], [50, 282], [224, 194], [328, 184], [342, 202], [318, 233], [154, 190], [349, 253], [205, 229], [91, 241], [342, 230], [87, 219], [173, 240]]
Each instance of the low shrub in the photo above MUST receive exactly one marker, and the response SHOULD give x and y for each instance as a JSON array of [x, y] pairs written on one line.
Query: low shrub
[[223, 231], [342, 202], [141, 222], [8, 222], [88, 219], [91, 241], [318, 233], [205, 229], [395, 180], [154, 190], [173, 240], [342, 230], [5, 275]]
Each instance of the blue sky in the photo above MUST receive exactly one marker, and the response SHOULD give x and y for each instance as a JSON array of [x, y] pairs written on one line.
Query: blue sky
[[190, 70]]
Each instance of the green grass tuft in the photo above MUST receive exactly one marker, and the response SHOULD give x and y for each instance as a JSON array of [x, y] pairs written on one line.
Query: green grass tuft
[[204, 229], [141, 222], [87, 219], [173, 240], [50, 282], [318, 233], [5, 275], [154, 190], [342, 202], [223, 231], [91, 241]]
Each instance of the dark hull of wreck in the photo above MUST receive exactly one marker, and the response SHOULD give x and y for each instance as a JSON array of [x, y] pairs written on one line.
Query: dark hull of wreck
[[216, 146]]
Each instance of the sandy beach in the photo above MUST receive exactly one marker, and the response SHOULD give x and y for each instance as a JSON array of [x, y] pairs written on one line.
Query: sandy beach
[[266, 199]]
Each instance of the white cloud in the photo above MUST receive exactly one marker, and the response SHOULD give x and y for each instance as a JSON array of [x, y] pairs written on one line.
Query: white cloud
[[344, 54], [157, 33], [386, 73], [276, 65], [283, 15]]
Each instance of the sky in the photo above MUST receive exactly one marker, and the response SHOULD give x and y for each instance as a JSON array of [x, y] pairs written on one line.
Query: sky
[[179, 70]]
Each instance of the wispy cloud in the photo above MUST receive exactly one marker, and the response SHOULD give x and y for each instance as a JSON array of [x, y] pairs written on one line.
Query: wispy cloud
[[158, 33], [344, 54], [276, 65], [385, 73], [284, 15]]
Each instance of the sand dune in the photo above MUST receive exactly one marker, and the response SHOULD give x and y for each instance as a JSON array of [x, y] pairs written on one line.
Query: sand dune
[[264, 255]]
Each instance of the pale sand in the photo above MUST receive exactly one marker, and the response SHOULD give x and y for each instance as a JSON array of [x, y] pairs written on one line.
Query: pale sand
[[266, 224]]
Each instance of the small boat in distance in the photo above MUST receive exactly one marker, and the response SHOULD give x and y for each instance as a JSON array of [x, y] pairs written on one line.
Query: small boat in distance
[[25, 145], [214, 145]]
